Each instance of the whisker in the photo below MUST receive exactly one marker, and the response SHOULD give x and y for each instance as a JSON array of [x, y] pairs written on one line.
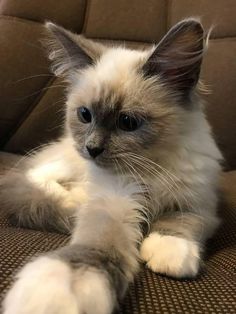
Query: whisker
[[32, 76], [167, 179]]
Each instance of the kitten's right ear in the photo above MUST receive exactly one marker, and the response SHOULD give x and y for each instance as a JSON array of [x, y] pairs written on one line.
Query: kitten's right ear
[[177, 58], [70, 52]]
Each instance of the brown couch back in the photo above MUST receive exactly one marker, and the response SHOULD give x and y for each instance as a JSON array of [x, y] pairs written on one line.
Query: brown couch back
[[32, 99]]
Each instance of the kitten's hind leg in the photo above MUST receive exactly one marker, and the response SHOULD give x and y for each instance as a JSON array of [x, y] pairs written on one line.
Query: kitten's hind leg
[[42, 204], [175, 243]]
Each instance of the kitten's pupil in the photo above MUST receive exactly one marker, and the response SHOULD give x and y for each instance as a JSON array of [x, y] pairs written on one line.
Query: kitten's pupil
[[128, 123], [84, 115]]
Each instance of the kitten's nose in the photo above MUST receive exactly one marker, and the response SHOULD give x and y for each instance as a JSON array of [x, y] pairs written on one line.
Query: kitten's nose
[[94, 151]]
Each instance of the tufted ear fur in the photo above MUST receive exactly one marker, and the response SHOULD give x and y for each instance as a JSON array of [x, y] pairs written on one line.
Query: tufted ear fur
[[70, 52], [177, 58]]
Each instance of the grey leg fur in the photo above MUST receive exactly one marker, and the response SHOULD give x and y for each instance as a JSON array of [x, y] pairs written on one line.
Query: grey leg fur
[[186, 225], [91, 275], [174, 245], [111, 265], [29, 206]]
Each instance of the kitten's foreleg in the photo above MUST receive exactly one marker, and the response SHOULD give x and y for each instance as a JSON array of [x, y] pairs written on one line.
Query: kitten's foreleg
[[90, 275], [73, 280], [175, 243]]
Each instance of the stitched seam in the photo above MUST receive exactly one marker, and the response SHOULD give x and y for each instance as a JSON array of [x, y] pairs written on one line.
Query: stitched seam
[[224, 37], [169, 13], [86, 15], [19, 19]]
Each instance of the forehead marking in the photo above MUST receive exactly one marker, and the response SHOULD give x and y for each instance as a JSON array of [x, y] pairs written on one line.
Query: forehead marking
[[106, 112]]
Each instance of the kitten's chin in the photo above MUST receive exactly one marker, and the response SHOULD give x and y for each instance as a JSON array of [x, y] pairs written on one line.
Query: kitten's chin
[[103, 163]]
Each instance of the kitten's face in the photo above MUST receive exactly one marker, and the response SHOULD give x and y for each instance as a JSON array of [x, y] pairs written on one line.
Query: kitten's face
[[114, 113], [123, 104]]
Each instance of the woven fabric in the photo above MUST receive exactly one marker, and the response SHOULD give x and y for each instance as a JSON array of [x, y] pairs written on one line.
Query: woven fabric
[[212, 292]]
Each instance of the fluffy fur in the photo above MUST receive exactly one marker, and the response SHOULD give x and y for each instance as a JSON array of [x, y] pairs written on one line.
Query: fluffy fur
[[158, 180]]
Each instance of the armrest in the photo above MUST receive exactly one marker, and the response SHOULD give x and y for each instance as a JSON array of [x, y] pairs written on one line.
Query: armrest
[[228, 187]]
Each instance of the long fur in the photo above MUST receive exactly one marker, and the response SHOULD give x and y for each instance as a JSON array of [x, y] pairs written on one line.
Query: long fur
[[153, 189]]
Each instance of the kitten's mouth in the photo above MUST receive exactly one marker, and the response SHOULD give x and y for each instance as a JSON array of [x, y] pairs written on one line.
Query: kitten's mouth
[[101, 160]]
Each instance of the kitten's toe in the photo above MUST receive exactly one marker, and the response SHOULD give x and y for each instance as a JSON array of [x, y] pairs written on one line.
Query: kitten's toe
[[170, 255]]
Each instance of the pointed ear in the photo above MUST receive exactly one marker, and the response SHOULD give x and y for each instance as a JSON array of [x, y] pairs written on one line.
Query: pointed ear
[[70, 52], [177, 58]]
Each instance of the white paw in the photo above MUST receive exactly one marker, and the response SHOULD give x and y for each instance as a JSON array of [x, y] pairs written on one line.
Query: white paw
[[170, 255], [50, 286]]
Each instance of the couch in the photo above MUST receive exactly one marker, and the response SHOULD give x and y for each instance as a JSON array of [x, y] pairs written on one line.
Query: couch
[[32, 109]]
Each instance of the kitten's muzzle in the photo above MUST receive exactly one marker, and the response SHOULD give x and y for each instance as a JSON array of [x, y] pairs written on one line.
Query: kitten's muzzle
[[94, 151]]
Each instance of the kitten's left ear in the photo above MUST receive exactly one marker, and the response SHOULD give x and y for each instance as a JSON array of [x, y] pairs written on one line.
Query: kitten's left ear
[[177, 58], [70, 52]]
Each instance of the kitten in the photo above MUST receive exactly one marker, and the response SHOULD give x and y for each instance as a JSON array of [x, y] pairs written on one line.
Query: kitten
[[135, 175]]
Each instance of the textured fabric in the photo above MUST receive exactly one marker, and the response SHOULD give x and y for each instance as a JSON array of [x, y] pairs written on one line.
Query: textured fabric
[[19, 245], [212, 292]]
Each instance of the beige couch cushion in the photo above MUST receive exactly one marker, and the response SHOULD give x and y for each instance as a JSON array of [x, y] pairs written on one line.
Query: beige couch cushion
[[69, 13], [134, 20], [217, 13]]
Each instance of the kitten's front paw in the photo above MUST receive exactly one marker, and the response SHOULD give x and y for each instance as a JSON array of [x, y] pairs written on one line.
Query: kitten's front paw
[[43, 287], [49, 285], [170, 255]]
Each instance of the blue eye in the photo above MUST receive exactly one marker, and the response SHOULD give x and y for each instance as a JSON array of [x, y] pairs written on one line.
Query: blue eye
[[84, 115], [128, 123]]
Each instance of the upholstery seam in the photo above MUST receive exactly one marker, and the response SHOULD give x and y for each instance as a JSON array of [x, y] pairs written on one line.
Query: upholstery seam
[[86, 16], [224, 37], [169, 14], [19, 19], [151, 42], [28, 21]]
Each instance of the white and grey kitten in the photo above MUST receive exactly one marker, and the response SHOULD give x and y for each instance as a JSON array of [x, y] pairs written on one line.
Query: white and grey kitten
[[137, 151]]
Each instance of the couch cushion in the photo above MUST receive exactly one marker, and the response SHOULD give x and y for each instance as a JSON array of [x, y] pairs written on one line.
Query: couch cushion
[[69, 13], [43, 123], [212, 292], [219, 74], [136, 20], [131, 20], [218, 13], [24, 71]]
